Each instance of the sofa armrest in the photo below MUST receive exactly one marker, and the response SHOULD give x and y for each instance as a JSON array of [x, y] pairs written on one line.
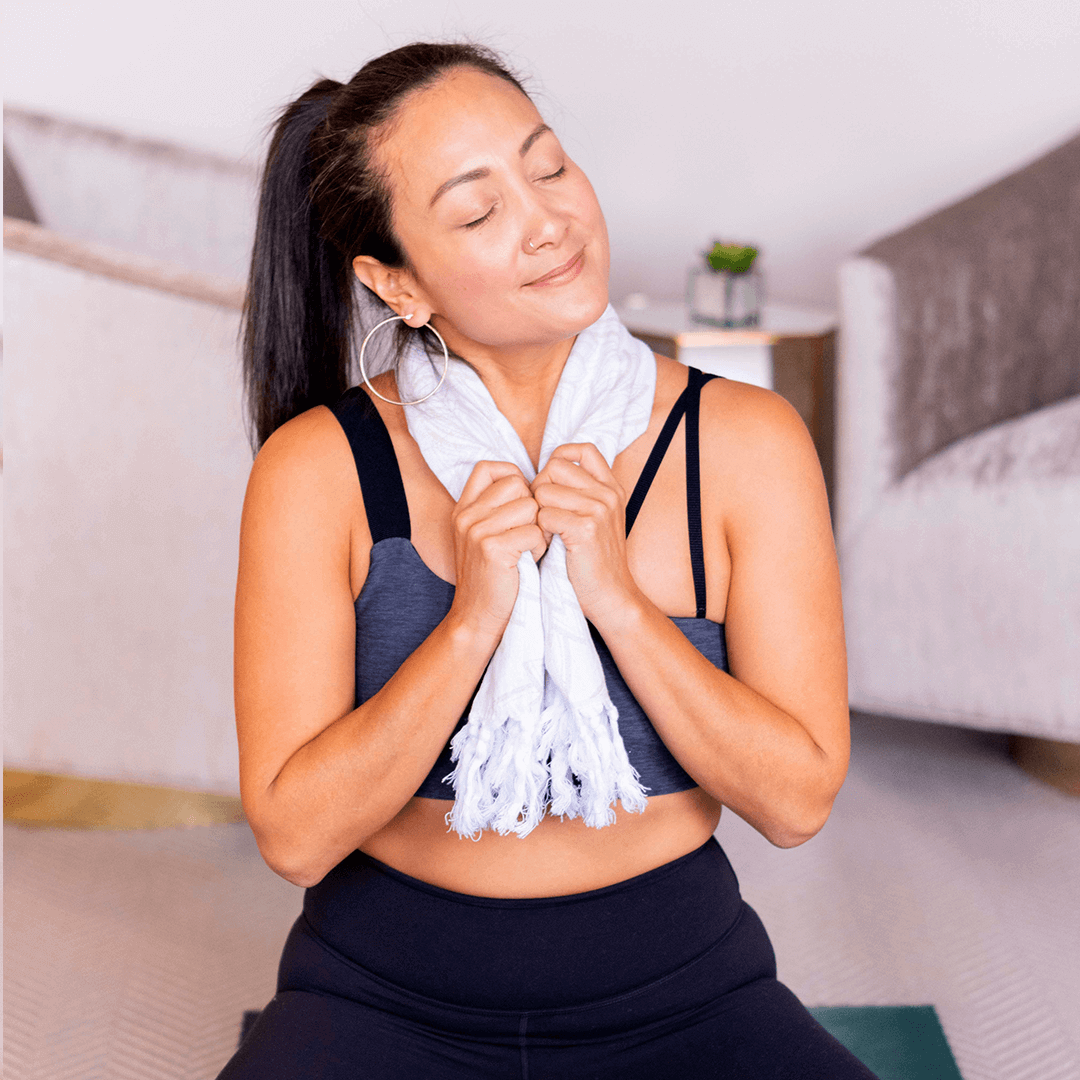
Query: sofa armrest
[[867, 359]]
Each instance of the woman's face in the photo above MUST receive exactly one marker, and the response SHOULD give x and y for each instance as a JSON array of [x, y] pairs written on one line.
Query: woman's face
[[507, 243]]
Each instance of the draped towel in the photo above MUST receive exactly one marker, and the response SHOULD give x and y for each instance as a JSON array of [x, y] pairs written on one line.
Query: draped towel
[[542, 729]]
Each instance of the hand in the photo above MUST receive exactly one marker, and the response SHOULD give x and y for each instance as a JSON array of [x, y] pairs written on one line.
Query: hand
[[494, 521], [580, 499]]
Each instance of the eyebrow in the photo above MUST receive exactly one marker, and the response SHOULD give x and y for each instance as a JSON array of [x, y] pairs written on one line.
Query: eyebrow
[[479, 174]]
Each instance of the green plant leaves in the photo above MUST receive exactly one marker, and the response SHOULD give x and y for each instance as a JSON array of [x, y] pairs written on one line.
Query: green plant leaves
[[734, 258]]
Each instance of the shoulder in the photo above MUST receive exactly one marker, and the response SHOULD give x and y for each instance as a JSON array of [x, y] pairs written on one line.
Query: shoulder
[[748, 423], [305, 448], [304, 475], [756, 449], [739, 423], [670, 383]]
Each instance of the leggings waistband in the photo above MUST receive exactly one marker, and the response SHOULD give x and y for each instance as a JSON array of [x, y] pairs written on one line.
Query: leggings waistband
[[524, 953]]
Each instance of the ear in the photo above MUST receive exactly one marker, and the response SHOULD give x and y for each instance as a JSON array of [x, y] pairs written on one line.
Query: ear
[[396, 287]]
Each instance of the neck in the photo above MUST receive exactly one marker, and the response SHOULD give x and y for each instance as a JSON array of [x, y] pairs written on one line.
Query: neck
[[522, 383]]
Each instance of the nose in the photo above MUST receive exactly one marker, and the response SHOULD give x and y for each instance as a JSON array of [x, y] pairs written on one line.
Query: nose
[[544, 227]]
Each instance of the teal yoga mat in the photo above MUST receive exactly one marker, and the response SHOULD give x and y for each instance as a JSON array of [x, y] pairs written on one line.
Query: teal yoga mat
[[898, 1042]]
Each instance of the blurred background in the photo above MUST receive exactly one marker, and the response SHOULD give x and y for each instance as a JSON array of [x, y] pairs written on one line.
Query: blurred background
[[911, 175], [811, 128]]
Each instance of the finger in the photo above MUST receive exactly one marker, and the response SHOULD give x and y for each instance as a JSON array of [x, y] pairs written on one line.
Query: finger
[[505, 489], [587, 456], [565, 484], [499, 519], [554, 519], [539, 549], [483, 475], [568, 474], [526, 538], [562, 497]]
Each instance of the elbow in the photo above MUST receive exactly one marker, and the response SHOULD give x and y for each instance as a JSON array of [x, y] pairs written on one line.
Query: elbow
[[283, 852], [282, 858], [800, 824], [289, 863], [300, 855], [294, 875], [788, 837], [809, 809]]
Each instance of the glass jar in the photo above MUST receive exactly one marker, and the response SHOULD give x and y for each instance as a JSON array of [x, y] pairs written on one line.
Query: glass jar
[[725, 298]]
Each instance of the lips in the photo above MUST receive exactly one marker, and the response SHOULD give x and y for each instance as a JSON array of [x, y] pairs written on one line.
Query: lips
[[567, 271]]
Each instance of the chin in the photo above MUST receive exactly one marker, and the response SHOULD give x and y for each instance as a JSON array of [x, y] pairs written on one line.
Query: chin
[[586, 307], [591, 309]]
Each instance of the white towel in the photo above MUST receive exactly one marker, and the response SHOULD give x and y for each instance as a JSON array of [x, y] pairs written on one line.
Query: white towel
[[542, 729]]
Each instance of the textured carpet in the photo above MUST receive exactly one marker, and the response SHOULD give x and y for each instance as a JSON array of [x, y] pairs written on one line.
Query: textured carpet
[[944, 877], [132, 955]]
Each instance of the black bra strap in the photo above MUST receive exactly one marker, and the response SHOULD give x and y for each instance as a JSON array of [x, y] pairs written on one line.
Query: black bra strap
[[384, 493], [376, 465], [656, 455], [693, 486], [688, 402]]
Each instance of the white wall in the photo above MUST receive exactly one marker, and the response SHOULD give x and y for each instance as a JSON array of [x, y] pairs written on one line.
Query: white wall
[[808, 127]]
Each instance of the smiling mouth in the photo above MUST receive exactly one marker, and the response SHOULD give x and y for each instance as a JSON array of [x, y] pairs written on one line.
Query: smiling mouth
[[562, 273]]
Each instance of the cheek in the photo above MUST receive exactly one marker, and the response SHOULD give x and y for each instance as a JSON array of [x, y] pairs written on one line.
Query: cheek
[[470, 271], [585, 197], [459, 269], [469, 288], [592, 217]]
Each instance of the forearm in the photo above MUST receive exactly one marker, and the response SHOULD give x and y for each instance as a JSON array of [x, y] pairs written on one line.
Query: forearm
[[742, 749], [351, 779]]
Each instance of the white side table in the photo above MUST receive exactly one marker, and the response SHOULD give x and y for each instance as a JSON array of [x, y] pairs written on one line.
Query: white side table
[[792, 351]]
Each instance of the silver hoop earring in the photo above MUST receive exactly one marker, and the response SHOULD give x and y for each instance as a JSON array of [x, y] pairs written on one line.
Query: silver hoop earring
[[363, 372]]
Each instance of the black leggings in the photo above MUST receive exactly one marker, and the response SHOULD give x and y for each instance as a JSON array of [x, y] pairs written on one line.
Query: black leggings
[[668, 974]]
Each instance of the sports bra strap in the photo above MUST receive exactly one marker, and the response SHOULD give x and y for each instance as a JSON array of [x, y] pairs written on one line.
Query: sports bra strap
[[384, 493], [376, 465], [688, 402], [693, 486], [656, 455]]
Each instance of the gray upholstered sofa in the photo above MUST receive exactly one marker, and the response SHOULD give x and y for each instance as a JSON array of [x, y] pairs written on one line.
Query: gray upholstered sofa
[[958, 516]]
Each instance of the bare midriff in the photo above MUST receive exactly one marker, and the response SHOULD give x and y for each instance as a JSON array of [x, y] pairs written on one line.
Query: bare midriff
[[559, 857]]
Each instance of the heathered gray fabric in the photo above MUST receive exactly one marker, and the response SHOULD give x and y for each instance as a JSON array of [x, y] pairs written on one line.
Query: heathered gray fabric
[[402, 601], [988, 307]]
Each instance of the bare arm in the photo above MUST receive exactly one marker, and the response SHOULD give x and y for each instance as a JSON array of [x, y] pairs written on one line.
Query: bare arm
[[318, 776], [769, 740]]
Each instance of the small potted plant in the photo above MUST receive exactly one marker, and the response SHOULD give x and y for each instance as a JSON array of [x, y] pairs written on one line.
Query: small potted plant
[[727, 289]]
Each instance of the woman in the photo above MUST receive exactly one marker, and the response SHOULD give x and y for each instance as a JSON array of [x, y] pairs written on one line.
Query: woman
[[371, 600]]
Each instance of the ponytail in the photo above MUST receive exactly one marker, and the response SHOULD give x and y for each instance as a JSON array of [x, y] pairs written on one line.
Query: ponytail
[[298, 307], [323, 202]]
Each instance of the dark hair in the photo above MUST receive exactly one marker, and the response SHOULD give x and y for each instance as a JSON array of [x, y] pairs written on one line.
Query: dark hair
[[322, 203]]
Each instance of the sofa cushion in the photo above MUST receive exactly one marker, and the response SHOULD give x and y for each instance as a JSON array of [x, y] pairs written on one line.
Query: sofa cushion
[[962, 587]]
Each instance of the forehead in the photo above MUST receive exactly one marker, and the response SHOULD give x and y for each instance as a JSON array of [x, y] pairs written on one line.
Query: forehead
[[466, 120]]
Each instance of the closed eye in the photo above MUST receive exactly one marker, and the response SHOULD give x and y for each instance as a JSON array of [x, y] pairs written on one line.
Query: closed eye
[[479, 221]]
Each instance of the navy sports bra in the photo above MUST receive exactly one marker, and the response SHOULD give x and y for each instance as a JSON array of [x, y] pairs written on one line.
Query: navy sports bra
[[402, 600]]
